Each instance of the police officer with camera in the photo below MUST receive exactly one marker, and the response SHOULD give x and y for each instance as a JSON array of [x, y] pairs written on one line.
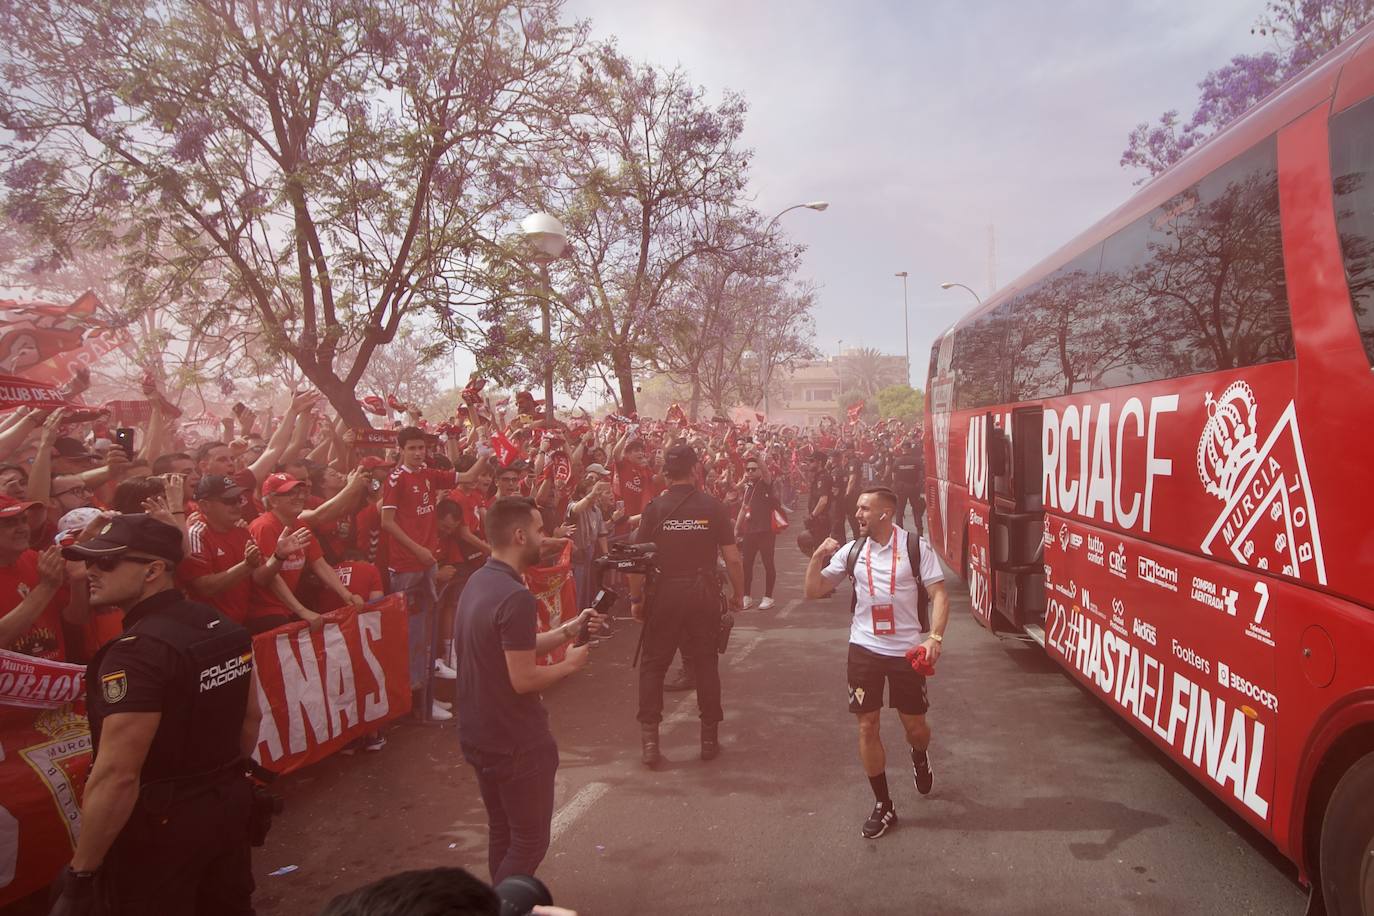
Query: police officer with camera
[[682, 605], [166, 814]]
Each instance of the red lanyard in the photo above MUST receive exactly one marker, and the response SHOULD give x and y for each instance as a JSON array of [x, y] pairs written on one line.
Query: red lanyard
[[868, 564]]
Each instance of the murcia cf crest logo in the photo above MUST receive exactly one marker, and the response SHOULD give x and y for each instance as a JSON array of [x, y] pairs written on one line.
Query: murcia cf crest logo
[[1270, 518]]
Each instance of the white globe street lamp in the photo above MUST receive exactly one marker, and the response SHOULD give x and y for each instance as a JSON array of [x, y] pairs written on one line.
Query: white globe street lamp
[[547, 241]]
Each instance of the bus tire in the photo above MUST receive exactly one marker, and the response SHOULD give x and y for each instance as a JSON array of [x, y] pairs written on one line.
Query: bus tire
[[1346, 854]]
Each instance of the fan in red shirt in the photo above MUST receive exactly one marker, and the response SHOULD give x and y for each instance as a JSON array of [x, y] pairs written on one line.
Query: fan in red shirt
[[360, 577], [222, 555], [289, 548], [30, 619], [636, 481]]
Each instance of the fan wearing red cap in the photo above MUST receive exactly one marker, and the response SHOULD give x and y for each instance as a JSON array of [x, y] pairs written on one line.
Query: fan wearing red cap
[[289, 549], [30, 620]]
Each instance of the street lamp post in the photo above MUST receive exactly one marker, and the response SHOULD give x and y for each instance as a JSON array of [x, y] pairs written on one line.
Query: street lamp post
[[906, 326], [948, 285], [817, 205], [547, 241]]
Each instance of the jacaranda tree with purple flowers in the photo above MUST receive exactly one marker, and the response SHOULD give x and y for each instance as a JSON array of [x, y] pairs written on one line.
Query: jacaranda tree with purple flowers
[[1301, 32], [313, 171]]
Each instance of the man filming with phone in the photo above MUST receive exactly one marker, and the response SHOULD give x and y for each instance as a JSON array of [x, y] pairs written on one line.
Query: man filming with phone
[[502, 725]]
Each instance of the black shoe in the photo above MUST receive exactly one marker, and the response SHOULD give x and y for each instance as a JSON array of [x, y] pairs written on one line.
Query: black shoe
[[648, 746], [884, 815], [710, 740], [684, 681], [924, 775]]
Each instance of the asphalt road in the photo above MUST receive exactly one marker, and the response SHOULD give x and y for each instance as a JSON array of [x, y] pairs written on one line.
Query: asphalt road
[[1044, 802]]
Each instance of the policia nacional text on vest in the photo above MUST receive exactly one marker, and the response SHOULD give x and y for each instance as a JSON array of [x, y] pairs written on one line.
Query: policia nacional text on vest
[[184, 848]]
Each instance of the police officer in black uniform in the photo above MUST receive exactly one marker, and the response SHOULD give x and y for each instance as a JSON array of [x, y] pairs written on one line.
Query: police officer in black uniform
[[909, 481], [690, 529], [165, 818]]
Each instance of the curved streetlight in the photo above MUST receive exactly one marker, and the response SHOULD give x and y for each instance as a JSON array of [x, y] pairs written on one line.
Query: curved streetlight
[[817, 205], [547, 241], [976, 297]]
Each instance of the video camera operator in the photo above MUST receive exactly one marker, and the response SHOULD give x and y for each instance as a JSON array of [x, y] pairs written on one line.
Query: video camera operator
[[502, 724], [682, 608]]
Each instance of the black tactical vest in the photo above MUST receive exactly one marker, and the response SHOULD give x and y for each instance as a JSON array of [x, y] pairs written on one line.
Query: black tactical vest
[[202, 718]]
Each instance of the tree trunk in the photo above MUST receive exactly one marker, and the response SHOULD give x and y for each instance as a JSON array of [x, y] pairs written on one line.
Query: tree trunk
[[696, 398], [624, 375], [343, 400]]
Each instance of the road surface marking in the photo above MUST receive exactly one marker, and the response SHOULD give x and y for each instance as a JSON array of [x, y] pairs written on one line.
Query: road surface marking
[[745, 649], [577, 806], [789, 607]]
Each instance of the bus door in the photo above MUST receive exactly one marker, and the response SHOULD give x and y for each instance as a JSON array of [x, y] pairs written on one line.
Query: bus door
[[1016, 522]]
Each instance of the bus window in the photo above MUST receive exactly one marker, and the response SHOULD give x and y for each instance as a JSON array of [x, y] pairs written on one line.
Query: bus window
[[1056, 330], [1352, 161], [980, 360]]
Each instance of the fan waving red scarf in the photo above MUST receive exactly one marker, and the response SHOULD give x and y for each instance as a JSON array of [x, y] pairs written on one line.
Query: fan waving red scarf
[[856, 411], [472, 394], [507, 452], [21, 392], [374, 405]]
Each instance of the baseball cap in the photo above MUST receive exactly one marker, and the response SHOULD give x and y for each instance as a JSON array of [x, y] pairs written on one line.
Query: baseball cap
[[10, 507], [73, 523], [679, 458], [139, 532], [217, 486], [280, 483], [598, 469]]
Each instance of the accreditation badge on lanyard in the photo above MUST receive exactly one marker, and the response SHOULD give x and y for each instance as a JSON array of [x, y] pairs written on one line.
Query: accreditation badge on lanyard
[[884, 618]]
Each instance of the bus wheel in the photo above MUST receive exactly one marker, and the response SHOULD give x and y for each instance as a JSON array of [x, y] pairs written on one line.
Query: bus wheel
[[1347, 843]]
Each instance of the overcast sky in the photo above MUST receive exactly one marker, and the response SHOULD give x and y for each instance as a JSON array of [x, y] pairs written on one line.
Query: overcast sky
[[924, 123]]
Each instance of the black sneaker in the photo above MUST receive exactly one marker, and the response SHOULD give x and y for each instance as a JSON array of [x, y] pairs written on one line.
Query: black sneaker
[[924, 775], [884, 815]]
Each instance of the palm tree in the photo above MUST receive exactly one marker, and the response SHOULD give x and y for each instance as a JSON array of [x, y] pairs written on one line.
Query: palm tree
[[861, 369]]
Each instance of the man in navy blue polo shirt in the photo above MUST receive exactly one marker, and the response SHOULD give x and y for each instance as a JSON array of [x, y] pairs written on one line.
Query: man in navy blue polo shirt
[[502, 724]]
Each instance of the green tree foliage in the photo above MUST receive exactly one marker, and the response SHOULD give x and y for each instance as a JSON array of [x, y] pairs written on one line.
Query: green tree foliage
[[900, 402]]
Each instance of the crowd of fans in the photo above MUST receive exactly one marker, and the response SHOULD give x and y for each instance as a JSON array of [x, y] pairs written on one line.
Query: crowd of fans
[[293, 518]]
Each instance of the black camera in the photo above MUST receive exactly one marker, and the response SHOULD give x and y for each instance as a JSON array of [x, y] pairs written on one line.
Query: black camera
[[522, 893], [630, 558]]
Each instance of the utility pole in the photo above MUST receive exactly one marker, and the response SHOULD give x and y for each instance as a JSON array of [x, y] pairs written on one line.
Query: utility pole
[[992, 259]]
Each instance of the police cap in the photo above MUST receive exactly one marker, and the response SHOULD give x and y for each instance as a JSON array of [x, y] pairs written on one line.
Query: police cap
[[679, 459], [140, 533]]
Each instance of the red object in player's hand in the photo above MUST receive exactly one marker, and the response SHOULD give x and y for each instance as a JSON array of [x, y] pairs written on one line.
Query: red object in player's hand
[[919, 664]]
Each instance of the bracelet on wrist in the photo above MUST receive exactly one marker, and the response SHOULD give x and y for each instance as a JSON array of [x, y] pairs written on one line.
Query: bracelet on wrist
[[937, 637]]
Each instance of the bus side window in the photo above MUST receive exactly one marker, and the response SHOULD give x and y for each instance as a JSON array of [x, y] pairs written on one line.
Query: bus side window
[[1352, 186]]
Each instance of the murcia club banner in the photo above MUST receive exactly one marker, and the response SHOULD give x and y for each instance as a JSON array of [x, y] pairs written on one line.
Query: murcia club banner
[[318, 691], [556, 592]]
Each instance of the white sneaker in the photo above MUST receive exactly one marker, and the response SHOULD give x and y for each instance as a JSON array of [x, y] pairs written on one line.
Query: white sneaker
[[443, 672], [444, 703], [439, 713], [747, 603], [765, 604]]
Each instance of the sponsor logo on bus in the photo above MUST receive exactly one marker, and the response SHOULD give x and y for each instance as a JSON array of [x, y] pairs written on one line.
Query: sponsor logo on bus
[[1188, 655], [1116, 563], [1237, 682], [1145, 632], [1269, 518], [1118, 622], [975, 519], [1206, 592], [1152, 571], [1096, 550], [1070, 591]]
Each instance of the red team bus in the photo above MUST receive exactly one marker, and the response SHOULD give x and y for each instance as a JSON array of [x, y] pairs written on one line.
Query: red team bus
[[1153, 454]]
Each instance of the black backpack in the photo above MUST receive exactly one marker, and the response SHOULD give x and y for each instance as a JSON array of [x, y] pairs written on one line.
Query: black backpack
[[913, 558]]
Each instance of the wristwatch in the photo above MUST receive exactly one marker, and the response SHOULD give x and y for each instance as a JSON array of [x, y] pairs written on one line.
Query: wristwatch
[[937, 637]]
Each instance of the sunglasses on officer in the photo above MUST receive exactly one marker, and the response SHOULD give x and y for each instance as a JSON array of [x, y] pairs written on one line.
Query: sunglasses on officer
[[110, 564]]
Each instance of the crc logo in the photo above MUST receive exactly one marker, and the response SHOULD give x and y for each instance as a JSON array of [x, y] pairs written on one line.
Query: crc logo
[[1096, 549], [1145, 631], [1116, 563]]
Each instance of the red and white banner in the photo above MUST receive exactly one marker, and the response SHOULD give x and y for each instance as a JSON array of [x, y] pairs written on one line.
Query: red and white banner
[[319, 691], [556, 592], [507, 452], [37, 683]]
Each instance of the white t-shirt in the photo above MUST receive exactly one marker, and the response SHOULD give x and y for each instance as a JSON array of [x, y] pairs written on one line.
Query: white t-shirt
[[906, 623]]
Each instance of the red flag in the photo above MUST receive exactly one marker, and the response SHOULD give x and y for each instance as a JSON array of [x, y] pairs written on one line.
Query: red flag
[[20, 392], [395, 404], [33, 334], [562, 467], [472, 394], [856, 411], [677, 415], [374, 405], [761, 418], [507, 452]]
